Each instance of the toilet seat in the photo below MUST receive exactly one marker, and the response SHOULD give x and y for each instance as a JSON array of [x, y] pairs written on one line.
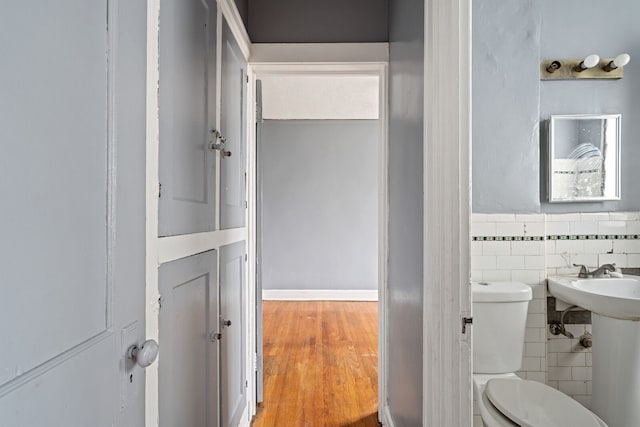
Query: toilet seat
[[533, 404]]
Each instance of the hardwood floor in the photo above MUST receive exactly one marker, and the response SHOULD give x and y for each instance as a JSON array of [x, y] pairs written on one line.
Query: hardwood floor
[[320, 364]]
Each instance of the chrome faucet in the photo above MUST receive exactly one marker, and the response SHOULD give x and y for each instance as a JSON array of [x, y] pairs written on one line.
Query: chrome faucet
[[602, 271]]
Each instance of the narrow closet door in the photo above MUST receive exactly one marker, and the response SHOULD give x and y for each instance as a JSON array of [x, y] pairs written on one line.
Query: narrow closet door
[[187, 116], [188, 367], [232, 126], [232, 347]]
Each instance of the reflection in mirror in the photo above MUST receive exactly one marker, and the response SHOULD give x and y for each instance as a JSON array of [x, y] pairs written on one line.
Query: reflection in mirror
[[584, 158]]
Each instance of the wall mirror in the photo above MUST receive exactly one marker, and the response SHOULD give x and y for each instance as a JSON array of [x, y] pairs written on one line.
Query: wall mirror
[[584, 158]]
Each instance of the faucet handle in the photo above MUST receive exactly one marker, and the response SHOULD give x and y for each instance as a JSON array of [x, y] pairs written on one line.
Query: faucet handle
[[584, 271]]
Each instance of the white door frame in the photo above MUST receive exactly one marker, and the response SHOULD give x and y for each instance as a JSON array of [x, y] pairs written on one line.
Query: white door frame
[[447, 388], [377, 67]]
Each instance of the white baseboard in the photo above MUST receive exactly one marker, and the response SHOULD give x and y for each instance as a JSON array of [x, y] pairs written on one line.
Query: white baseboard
[[319, 295], [386, 419]]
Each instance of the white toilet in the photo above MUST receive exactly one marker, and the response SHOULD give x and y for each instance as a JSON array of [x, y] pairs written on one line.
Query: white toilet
[[499, 318]]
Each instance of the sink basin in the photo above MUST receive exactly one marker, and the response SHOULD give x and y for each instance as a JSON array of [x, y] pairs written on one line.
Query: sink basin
[[615, 315], [613, 297]]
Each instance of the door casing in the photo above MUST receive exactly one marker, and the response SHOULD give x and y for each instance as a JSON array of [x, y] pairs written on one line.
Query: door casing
[[376, 66]]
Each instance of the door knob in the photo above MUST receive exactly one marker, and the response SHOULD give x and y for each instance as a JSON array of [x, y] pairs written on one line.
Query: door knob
[[215, 336], [144, 355], [225, 322]]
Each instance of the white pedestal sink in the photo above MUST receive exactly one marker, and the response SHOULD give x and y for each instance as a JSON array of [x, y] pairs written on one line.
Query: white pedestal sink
[[615, 307]]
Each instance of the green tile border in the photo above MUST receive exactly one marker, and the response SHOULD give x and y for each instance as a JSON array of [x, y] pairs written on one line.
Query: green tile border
[[593, 237], [508, 238], [556, 237]]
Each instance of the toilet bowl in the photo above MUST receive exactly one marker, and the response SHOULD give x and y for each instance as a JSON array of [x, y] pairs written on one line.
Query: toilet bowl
[[505, 400]]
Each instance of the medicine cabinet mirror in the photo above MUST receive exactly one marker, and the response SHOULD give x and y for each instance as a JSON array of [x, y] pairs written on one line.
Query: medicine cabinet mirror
[[584, 158]]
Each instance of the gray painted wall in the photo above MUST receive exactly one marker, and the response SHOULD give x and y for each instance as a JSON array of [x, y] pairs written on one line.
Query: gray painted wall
[[509, 40], [406, 95], [320, 204], [317, 21], [506, 96]]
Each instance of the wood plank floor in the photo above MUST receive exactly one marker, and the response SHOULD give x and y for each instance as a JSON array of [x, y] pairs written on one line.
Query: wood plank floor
[[320, 364]]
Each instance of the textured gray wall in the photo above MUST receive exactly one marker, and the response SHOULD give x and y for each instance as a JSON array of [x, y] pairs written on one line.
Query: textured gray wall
[[506, 95], [577, 28], [317, 21], [406, 95], [320, 204], [509, 40]]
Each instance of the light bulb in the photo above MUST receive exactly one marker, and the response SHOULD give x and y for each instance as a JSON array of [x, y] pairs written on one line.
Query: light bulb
[[591, 61], [588, 62], [621, 60]]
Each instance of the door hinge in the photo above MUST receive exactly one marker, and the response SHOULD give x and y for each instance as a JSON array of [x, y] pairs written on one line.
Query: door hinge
[[159, 190], [255, 362], [160, 303], [247, 77], [466, 321], [246, 383], [246, 257], [246, 204]]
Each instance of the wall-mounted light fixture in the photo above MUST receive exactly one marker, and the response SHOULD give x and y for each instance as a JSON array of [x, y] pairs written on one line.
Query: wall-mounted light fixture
[[591, 67]]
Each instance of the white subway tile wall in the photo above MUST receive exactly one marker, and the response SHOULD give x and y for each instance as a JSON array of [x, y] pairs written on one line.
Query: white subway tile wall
[[569, 364], [528, 248]]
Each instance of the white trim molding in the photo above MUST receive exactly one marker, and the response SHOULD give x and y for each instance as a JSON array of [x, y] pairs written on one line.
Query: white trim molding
[[447, 371], [385, 417], [319, 295], [319, 52], [230, 12], [176, 247]]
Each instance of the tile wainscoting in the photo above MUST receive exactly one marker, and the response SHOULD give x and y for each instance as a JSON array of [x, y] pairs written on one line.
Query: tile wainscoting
[[529, 247]]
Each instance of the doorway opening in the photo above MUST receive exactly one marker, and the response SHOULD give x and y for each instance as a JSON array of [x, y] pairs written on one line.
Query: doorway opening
[[319, 147]]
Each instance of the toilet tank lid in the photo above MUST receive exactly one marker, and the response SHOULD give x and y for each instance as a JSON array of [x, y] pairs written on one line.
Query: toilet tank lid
[[500, 292]]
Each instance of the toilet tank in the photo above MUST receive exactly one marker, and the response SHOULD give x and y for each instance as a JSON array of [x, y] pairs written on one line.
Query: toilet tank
[[499, 319]]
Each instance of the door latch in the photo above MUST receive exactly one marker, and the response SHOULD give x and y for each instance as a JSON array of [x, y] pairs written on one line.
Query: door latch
[[218, 143], [466, 321]]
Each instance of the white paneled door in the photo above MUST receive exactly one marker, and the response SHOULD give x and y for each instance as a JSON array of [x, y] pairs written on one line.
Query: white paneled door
[[189, 330], [233, 127], [233, 381], [187, 104], [72, 184]]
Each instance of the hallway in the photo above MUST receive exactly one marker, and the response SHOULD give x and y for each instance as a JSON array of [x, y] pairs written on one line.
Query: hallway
[[320, 364]]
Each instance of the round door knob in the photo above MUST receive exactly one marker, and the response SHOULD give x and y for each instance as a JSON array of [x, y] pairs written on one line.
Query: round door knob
[[144, 355], [215, 336], [226, 323]]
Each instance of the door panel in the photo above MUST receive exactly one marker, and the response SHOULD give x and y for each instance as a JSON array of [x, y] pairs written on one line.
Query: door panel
[[69, 276], [188, 370], [232, 348], [38, 144], [187, 115], [232, 126]]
